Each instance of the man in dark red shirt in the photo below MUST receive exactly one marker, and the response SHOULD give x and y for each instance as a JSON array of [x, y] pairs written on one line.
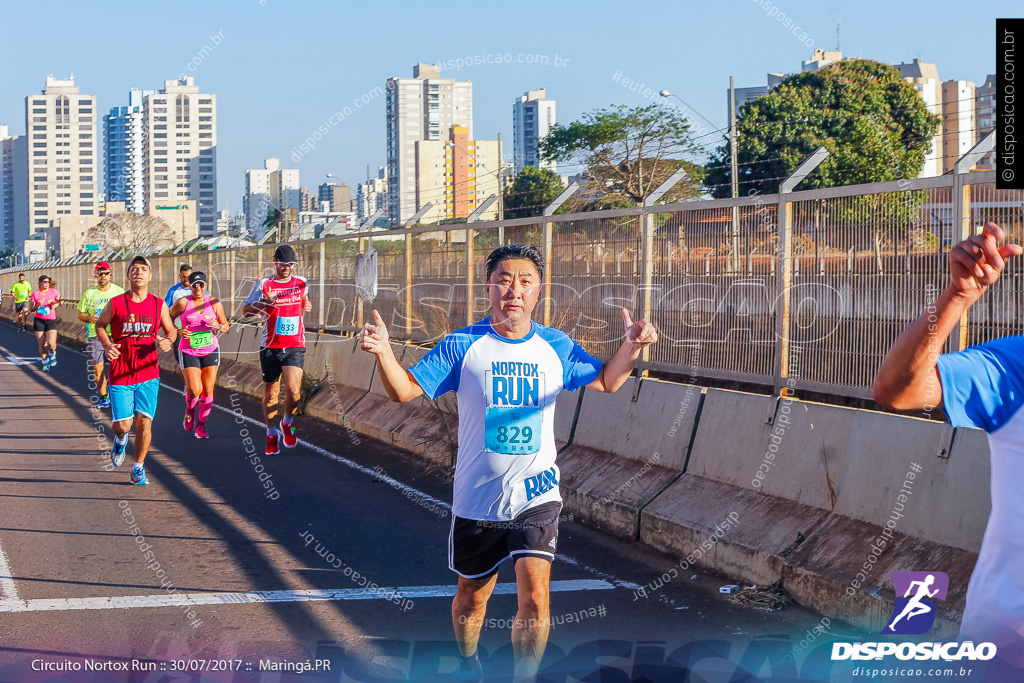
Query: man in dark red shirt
[[133, 348], [281, 300]]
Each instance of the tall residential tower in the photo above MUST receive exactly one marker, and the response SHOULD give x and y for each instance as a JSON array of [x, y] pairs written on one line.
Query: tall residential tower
[[533, 115], [421, 108], [180, 151]]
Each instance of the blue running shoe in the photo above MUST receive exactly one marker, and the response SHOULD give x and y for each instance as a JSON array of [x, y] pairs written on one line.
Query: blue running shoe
[[117, 453], [470, 668], [104, 402], [46, 365], [53, 359], [139, 476]]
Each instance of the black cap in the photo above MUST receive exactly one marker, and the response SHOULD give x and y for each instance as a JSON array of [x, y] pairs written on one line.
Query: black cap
[[285, 254], [197, 276]]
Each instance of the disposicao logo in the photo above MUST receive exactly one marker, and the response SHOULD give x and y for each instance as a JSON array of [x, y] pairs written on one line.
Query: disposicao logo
[[913, 614]]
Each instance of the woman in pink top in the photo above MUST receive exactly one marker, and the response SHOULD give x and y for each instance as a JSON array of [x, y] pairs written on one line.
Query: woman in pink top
[[44, 303], [202, 317]]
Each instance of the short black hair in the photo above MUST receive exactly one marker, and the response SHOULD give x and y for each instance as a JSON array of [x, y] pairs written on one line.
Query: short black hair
[[184, 267], [515, 251], [44, 278], [21, 274]]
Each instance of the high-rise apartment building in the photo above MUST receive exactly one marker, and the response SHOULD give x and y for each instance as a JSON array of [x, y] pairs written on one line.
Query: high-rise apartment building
[[373, 194], [180, 150], [985, 118], [456, 175], [421, 108], [308, 201], [123, 153], [269, 188], [533, 115], [338, 196], [63, 183], [13, 189], [958, 129], [924, 77]]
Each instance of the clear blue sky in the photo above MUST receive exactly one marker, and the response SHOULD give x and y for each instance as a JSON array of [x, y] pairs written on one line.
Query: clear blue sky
[[284, 66]]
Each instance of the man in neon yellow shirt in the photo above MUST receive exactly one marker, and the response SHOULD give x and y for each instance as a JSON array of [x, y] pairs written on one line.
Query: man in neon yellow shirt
[[92, 303], [21, 290]]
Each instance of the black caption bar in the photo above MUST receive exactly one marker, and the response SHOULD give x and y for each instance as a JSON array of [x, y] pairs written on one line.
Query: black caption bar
[[1009, 123]]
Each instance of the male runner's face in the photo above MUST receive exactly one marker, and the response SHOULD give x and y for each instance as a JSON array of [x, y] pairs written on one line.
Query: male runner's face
[[284, 270], [103, 278], [139, 274], [183, 276], [21, 278], [514, 289]]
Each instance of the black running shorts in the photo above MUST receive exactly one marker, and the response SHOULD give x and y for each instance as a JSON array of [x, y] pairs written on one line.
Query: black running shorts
[[272, 360], [477, 547]]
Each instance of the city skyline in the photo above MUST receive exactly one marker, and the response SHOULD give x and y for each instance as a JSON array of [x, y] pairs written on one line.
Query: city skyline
[[576, 66]]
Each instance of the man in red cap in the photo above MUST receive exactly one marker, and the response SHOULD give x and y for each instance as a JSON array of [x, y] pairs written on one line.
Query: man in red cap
[[92, 303]]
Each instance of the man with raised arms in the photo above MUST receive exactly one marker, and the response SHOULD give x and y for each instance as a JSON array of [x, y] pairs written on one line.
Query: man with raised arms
[[980, 387], [506, 371]]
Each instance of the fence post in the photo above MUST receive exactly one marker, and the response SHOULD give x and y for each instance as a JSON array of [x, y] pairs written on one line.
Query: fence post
[[360, 244], [470, 235], [408, 285], [232, 283], [961, 214], [785, 270], [548, 230], [647, 252], [322, 313]]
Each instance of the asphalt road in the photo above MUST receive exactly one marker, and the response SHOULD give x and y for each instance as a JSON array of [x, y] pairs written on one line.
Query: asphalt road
[[227, 568]]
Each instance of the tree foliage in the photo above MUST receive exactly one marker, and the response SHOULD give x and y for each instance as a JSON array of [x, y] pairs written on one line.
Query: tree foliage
[[533, 189], [132, 232], [628, 152], [874, 124]]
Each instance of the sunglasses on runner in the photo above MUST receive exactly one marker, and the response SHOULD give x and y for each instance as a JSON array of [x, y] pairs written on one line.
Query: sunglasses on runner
[[200, 285]]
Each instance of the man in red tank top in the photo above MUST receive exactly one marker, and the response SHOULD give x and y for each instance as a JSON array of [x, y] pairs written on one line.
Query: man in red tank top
[[281, 300], [133, 348]]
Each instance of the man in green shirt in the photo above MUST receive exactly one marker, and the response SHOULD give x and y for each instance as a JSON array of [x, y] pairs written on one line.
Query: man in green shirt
[[92, 303], [21, 290]]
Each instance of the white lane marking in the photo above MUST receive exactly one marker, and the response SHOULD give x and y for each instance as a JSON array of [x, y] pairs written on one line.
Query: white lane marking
[[7, 589], [20, 360], [391, 481], [388, 593]]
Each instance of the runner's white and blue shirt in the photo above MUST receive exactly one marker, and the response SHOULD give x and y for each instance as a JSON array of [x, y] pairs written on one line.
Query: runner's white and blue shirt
[[506, 390], [983, 387]]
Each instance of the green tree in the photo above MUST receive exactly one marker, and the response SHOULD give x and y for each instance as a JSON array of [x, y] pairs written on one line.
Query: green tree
[[533, 189], [628, 152], [874, 124]]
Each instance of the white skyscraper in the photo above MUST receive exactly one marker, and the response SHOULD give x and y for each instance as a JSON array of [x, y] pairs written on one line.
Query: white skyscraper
[[62, 174], [13, 194], [123, 167], [533, 116], [423, 107], [373, 194], [180, 151], [270, 187]]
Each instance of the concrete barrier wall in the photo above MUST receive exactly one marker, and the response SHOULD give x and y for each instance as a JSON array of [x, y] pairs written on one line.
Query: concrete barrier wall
[[624, 452]]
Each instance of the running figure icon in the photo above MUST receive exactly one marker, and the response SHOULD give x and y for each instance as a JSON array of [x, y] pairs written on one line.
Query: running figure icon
[[915, 606]]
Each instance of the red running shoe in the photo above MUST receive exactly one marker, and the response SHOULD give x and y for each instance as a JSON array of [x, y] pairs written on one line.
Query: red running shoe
[[288, 431], [272, 448]]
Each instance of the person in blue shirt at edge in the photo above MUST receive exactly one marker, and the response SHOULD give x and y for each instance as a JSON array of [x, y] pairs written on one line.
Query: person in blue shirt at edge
[[980, 387], [506, 371], [180, 290]]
